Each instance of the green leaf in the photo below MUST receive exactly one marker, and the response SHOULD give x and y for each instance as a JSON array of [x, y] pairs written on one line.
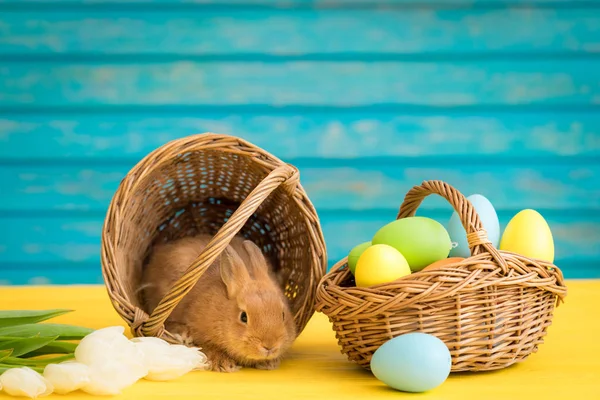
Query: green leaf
[[36, 362], [6, 367], [20, 317], [5, 353], [56, 347], [25, 345], [65, 332]]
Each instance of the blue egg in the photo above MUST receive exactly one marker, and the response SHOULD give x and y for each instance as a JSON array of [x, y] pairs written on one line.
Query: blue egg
[[414, 362], [489, 219]]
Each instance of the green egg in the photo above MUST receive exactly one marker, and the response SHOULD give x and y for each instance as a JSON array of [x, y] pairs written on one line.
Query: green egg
[[355, 254], [421, 240]]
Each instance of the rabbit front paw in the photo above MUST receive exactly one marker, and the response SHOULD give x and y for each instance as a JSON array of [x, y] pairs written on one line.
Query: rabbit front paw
[[221, 362]]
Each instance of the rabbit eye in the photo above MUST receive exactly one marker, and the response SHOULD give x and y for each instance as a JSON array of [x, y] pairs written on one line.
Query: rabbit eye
[[244, 317]]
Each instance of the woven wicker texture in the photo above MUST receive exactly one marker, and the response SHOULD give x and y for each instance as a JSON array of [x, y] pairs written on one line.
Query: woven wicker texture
[[491, 309], [215, 184]]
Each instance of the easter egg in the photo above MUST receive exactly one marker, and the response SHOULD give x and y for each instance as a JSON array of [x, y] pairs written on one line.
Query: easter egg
[[421, 240], [529, 235], [441, 263], [380, 264], [414, 362], [489, 220], [355, 253]]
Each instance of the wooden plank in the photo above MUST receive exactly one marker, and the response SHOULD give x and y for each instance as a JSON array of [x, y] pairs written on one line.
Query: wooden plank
[[289, 135], [561, 82], [64, 240], [51, 240], [281, 32], [309, 3], [359, 185], [51, 274]]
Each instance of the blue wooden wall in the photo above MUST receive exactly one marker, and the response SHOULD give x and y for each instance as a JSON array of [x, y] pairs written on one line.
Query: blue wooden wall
[[366, 98]]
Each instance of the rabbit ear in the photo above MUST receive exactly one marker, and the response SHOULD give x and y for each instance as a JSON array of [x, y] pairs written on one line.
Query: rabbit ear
[[258, 263], [233, 272]]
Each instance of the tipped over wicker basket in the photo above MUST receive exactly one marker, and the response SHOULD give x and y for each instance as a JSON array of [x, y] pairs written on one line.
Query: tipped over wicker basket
[[491, 309], [215, 184]]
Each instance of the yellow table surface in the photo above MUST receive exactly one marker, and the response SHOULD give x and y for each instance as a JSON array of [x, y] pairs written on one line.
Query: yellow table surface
[[566, 366]]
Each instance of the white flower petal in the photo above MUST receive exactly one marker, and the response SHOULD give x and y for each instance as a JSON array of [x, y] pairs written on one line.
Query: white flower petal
[[192, 354], [93, 349], [108, 345], [165, 361], [25, 382], [110, 378], [110, 331], [67, 376]]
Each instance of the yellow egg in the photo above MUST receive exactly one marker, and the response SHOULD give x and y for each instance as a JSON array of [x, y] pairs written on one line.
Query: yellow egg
[[529, 235], [379, 264]]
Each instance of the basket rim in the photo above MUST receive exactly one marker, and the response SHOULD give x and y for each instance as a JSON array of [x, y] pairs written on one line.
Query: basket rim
[[391, 287], [485, 267], [163, 155]]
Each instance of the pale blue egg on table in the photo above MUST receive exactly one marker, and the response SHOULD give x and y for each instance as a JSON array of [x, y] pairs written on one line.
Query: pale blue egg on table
[[413, 362], [489, 220]]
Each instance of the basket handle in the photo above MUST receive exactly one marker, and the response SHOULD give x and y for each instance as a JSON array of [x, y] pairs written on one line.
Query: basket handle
[[286, 175], [476, 234]]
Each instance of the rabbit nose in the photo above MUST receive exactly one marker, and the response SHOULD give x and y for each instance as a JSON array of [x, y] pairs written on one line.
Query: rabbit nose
[[268, 350]]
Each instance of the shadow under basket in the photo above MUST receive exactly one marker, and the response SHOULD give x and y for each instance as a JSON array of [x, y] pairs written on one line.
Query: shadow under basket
[[218, 185], [491, 309]]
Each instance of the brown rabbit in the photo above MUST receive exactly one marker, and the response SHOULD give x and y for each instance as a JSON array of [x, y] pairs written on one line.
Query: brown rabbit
[[236, 312]]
